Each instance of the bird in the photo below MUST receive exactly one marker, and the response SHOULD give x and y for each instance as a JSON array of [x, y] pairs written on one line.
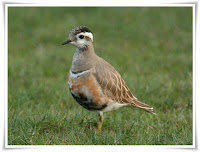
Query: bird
[[94, 83]]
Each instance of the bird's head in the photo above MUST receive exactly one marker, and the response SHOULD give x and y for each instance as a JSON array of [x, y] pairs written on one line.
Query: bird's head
[[80, 36]]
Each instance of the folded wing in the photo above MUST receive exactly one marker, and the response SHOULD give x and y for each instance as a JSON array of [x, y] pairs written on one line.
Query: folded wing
[[114, 87]]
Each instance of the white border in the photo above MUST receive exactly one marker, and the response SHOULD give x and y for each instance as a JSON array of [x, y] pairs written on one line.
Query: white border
[[98, 148], [92, 5], [6, 76], [194, 75]]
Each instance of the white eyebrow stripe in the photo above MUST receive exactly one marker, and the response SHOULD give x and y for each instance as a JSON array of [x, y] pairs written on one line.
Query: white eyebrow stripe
[[89, 34]]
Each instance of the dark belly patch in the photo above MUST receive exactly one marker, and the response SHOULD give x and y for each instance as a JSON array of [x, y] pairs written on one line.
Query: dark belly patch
[[87, 103]]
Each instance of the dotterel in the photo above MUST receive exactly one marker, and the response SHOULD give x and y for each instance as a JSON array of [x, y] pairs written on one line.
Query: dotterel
[[93, 82]]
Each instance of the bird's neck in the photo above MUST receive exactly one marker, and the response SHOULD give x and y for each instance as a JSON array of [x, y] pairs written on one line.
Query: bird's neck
[[86, 50], [83, 59]]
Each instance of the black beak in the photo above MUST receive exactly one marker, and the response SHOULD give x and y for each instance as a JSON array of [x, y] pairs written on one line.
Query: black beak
[[66, 42]]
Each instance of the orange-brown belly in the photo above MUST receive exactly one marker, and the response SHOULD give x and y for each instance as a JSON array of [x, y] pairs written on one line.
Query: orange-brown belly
[[86, 92]]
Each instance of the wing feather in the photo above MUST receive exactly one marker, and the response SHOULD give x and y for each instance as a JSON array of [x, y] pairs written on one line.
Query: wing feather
[[114, 87]]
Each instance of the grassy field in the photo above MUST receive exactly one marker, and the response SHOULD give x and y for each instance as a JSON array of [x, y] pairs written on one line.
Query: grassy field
[[150, 47]]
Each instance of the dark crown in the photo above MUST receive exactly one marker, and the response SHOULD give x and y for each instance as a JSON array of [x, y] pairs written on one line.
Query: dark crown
[[78, 30]]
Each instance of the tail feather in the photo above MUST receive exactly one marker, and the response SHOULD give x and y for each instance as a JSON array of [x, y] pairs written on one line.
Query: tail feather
[[143, 106], [150, 111]]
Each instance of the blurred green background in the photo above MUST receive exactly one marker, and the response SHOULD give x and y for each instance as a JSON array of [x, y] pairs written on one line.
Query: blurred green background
[[151, 47]]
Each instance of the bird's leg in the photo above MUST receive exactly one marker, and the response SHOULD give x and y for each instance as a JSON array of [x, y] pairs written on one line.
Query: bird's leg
[[100, 122]]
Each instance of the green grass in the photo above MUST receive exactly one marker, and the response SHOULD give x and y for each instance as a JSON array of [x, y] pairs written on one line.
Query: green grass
[[150, 47]]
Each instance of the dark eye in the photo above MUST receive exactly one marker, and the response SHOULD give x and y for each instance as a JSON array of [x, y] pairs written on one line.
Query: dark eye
[[81, 36]]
